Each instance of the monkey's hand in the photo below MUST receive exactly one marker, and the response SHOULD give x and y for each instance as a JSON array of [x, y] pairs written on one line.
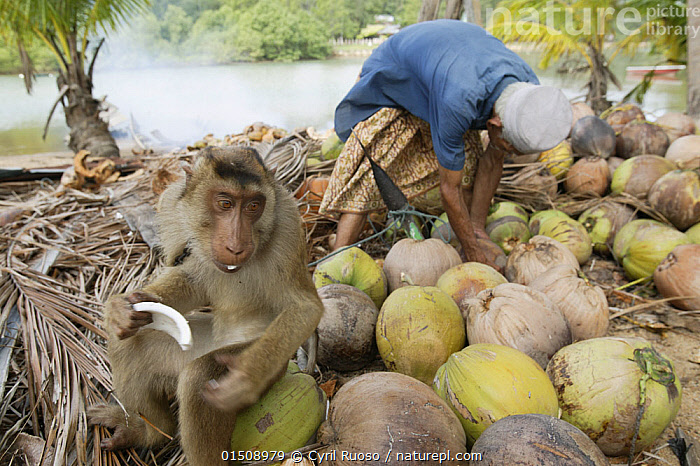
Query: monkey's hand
[[235, 391], [121, 317]]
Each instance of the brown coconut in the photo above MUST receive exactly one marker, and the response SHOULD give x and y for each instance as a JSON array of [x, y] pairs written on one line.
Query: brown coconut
[[580, 110], [676, 125], [346, 340], [613, 163], [589, 175], [676, 196], [641, 138], [385, 414], [418, 262], [636, 176], [619, 115], [530, 260], [593, 136], [685, 152], [522, 439], [584, 305], [520, 317], [678, 275]]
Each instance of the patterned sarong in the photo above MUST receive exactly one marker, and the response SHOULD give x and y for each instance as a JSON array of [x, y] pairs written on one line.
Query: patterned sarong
[[401, 144]]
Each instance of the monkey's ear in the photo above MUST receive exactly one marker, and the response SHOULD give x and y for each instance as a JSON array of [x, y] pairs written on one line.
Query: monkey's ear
[[188, 171]]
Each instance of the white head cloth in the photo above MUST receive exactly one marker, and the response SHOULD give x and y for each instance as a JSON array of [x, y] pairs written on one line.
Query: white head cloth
[[535, 118]]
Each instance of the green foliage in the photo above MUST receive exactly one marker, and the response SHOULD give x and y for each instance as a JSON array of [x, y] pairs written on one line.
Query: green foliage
[[269, 31], [65, 27], [43, 60], [217, 31]]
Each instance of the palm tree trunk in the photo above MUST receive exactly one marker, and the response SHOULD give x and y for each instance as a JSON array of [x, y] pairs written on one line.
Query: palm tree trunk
[[693, 74], [87, 130], [598, 82], [453, 9], [428, 10]]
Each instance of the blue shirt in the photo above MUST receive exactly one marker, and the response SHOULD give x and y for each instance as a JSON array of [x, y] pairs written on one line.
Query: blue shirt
[[446, 72]]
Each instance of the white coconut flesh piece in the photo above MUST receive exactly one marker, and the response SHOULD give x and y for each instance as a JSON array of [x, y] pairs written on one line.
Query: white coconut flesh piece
[[168, 320]]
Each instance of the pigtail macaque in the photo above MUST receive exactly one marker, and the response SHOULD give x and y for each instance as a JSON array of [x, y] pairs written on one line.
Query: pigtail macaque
[[233, 242]]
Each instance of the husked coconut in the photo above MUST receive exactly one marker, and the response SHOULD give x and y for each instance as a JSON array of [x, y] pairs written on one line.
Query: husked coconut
[[676, 125], [589, 175], [641, 138], [584, 305], [619, 115], [418, 262], [676, 196], [685, 152], [580, 110], [529, 260], [520, 317], [678, 275]]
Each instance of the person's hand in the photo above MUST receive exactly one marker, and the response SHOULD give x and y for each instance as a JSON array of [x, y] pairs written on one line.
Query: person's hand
[[493, 254]]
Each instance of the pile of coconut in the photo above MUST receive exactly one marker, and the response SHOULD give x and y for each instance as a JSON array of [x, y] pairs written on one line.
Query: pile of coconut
[[513, 366]]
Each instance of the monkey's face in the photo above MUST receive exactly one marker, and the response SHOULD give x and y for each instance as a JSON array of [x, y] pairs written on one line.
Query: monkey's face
[[234, 214]]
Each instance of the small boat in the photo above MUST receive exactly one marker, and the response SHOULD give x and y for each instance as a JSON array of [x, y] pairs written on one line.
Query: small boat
[[665, 71]]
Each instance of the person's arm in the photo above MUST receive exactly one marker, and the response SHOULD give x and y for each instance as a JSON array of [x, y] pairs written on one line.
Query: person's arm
[[458, 214], [488, 175]]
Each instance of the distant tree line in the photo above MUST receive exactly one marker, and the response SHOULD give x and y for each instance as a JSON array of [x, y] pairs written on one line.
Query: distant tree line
[[225, 31]]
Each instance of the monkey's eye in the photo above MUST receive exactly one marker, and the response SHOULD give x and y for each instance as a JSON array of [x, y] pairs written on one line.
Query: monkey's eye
[[224, 204], [253, 206]]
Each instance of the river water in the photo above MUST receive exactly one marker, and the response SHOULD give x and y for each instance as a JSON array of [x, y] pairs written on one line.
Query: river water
[[185, 103]]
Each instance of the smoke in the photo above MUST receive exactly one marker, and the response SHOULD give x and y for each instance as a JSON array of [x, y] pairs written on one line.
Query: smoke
[[185, 99]]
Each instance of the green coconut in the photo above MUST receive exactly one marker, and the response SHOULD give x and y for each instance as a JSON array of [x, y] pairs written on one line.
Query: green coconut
[[484, 383], [693, 233], [571, 234], [635, 176], [353, 267], [598, 383], [626, 233], [285, 418], [507, 232], [602, 223], [441, 229], [506, 209], [648, 247], [417, 330], [466, 280], [537, 218], [332, 147]]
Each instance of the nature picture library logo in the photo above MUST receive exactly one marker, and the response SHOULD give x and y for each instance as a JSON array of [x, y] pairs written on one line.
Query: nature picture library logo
[[553, 19]]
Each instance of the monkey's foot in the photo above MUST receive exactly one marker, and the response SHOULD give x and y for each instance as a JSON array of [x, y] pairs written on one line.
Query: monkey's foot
[[129, 430]]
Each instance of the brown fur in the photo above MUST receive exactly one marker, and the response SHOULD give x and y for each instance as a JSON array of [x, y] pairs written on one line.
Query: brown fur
[[260, 314]]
